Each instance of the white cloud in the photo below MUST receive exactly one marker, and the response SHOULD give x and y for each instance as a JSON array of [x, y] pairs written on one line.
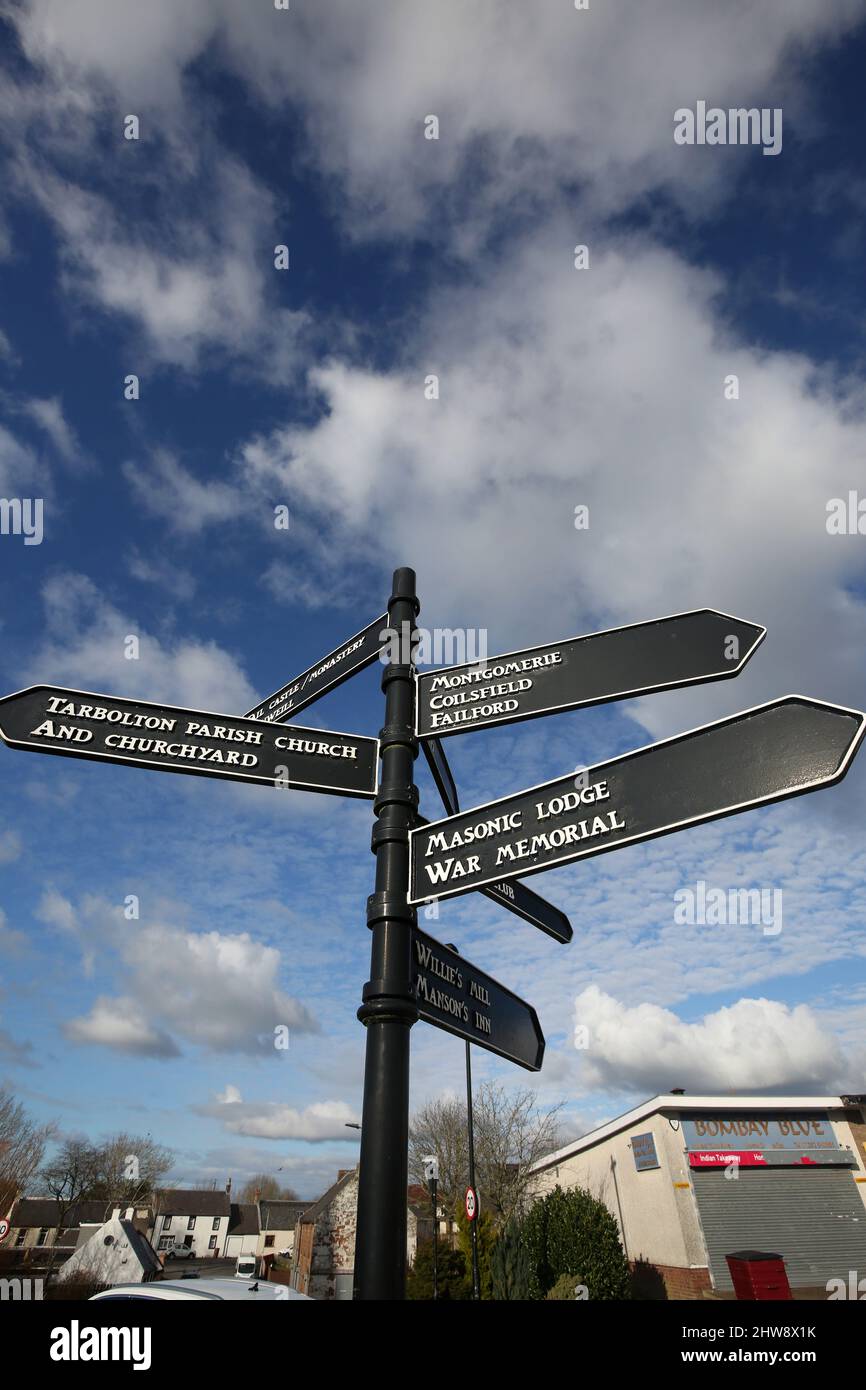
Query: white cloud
[[48, 415], [85, 645], [272, 1120], [603, 387], [168, 490], [527, 98], [10, 846], [19, 468], [155, 569], [754, 1045], [216, 990], [121, 1025]]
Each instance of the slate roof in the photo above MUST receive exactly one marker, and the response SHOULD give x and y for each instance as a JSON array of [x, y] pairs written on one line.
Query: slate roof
[[47, 1211], [141, 1248], [192, 1201], [281, 1215], [244, 1219]]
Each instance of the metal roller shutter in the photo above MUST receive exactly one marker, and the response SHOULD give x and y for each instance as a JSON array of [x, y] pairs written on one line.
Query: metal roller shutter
[[813, 1217]]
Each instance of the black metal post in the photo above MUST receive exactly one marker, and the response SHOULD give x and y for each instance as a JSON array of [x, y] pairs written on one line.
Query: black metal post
[[476, 1282], [389, 1008], [433, 1186]]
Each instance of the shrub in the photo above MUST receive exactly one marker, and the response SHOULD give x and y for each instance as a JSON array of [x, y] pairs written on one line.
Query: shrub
[[453, 1281], [565, 1287], [509, 1265], [573, 1230]]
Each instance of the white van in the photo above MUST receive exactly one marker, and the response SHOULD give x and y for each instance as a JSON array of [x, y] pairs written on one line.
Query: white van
[[245, 1267]]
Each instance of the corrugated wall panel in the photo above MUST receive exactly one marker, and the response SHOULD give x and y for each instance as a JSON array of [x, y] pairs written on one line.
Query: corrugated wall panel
[[813, 1217]]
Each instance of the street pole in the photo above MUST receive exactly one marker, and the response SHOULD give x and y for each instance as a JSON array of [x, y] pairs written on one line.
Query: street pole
[[473, 1225], [389, 1008], [476, 1283], [433, 1186]]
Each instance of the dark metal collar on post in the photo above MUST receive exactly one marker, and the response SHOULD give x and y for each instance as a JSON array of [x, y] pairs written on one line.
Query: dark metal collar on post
[[389, 1008]]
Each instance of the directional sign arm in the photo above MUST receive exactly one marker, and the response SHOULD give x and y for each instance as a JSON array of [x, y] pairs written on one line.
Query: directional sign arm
[[455, 995], [111, 729], [354, 655], [782, 749], [620, 664]]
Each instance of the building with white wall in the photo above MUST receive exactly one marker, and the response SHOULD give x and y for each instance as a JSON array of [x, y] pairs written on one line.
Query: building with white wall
[[194, 1217], [690, 1179]]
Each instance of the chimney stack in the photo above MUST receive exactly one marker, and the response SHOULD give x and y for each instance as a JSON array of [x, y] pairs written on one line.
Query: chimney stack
[[229, 1188]]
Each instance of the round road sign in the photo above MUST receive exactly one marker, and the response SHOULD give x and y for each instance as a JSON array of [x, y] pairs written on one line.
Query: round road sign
[[471, 1204]]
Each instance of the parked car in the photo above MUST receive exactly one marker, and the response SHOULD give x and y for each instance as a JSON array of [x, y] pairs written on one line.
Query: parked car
[[180, 1252], [245, 1267], [233, 1290]]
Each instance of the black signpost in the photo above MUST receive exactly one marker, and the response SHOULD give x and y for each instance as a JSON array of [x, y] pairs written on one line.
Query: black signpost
[[106, 728], [617, 665], [777, 750], [345, 661], [781, 749]]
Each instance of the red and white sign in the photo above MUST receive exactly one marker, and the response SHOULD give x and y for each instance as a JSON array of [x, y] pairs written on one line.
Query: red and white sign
[[5, 1227], [721, 1158], [471, 1204]]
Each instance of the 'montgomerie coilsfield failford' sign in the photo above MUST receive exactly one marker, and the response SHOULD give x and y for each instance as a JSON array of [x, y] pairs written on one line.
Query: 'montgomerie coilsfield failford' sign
[[457, 996], [75, 723], [616, 665], [765, 754]]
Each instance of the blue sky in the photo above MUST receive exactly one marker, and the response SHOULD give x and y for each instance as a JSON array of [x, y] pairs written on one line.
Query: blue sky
[[305, 387]]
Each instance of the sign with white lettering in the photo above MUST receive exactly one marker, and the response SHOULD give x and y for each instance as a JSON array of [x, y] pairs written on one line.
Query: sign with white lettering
[[457, 996], [77, 724], [360, 651], [616, 665], [766, 754], [771, 1158]]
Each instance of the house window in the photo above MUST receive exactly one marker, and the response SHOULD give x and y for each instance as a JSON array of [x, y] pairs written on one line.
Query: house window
[[21, 1236], [211, 1245], [166, 1223], [42, 1238], [216, 1224], [166, 1242], [269, 1240], [190, 1225]]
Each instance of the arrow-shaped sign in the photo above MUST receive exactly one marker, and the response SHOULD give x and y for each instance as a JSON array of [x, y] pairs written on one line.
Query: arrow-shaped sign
[[781, 749], [457, 996], [359, 651], [616, 665], [531, 907], [78, 724]]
